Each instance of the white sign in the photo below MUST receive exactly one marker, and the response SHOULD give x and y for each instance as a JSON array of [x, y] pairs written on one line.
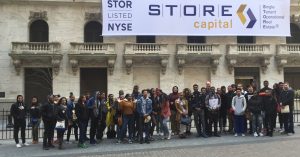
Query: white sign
[[196, 17]]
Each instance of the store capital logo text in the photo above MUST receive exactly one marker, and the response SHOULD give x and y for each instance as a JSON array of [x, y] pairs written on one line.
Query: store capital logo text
[[189, 10]]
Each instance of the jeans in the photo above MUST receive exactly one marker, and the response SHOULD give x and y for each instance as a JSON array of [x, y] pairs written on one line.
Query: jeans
[[82, 128], [128, 121], [286, 117], [291, 121], [199, 122], [35, 131], [19, 123], [239, 124], [75, 126], [144, 127], [257, 121], [159, 123], [164, 126]]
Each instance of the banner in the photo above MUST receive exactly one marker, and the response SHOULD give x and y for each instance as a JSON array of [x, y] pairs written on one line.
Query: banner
[[196, 17]]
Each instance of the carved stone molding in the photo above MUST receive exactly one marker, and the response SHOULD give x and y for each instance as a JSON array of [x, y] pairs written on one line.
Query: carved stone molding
[[41, 15], [18, 64], [111, 65], [74, 64], [93, 17], [231, 64], [181, 63]]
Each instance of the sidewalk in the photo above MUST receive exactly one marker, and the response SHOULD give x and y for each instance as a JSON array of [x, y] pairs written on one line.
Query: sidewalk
[[8, 148]]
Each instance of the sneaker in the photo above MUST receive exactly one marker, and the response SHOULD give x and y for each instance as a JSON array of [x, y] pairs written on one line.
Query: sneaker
[[25, 144], [130, 141], [118, 142], [169, 137], [261, 134], [235, 135], [18, 145], [82, 145], [243, 135], [255, 134]]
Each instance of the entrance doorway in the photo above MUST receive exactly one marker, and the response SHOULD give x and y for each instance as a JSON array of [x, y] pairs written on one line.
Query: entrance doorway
[[247, 76], [38, 82], [292, 75], [92, 80]]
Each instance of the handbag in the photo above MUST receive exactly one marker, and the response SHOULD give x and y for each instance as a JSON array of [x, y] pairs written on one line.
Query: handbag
[[286, 109], [60, 125], [185, 120]]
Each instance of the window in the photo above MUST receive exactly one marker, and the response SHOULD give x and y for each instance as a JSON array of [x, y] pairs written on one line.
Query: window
[[145, 39], [295, 32], [196, 39], [39, 31], [246, 39], [93, 32]]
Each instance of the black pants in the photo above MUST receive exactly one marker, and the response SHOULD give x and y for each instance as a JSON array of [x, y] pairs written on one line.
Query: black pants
[[144, 127], [291, 121], [94, 127], [48, 132], [101, 127], [200, 122], [60, 136], [19, 123], [75, 126], [286, 117], [82, 128], [213, 120], [269, 122]]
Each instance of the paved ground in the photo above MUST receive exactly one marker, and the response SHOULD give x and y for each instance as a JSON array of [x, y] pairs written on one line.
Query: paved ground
[[225, 146]]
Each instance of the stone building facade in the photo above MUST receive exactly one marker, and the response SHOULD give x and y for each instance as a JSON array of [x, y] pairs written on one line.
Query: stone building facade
[[55, 40]]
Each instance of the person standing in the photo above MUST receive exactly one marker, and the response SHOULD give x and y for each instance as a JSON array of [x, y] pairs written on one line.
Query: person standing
[[198, 106], [270, 105], [165, 115], [182, 112], [61, 118], [287, 101], [72, 118], [82, 113], [144, 109], [239, 106], [172, 98], [248, 116], [230, 115], [255, 108], [18, 112], [35, 116], [111, 105], [188, 97], [223, 110], [49, 121], [94, 107], [102, 116], [213, 104]]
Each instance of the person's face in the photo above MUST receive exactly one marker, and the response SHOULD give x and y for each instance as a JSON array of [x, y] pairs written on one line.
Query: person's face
[[208, 84], [233, 89], [229, 88], [121, 92], [203, 90], [64, 101], [286, 86], [20, 99], [51, 99], [195, 88], [266, 84], [223, 90], [83, 99], [34, 100], [219, 90], [145, 93], [250, 90], [72, 98], [111, 97], [129, 98], [212, 90], [275, 86], [136, 88], [87, 96], [158, 92], [281, 86], [153, 91], [102, 96], [175, 89], [238, 92]]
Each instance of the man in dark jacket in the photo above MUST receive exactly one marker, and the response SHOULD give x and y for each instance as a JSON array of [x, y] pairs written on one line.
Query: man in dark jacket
[[228, 97], [255, 107], [287, 100], [198, 106], [49, 120], [18, 112], [269, 106]]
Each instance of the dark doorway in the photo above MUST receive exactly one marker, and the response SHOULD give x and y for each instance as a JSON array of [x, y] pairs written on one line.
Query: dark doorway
[[93, 32], [292, 75], [145, 39], [38, 82], [93, 79], [245, 40], [247, 76], [39, 31], [196, 39], [295, 32]]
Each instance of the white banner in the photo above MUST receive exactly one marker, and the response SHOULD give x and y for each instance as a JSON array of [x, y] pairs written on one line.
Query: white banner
[[196, 17]]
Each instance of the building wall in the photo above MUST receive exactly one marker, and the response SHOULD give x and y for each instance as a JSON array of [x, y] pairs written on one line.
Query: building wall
[[66, 24]]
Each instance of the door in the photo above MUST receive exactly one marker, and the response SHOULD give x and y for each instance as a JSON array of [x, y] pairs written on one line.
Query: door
[[247, 76], [92, 80]]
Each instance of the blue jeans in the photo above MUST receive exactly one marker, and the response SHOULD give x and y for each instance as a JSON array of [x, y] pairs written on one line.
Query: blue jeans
[[239, 124], [82, 128], [164, 126], [159, 123], [128, 121], [257, 122]]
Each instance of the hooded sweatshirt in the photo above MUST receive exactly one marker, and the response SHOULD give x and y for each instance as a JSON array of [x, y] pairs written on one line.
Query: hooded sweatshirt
[[239, 105]]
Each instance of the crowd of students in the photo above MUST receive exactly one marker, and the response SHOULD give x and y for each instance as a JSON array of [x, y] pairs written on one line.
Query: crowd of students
[[142, 113]]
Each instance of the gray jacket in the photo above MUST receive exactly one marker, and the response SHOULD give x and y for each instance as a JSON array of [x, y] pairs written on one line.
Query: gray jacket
[[239, 105]]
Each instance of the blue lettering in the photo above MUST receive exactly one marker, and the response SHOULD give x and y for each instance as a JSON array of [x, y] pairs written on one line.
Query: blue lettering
[[185, 13], [208, 9], [154, 10], [225, 9], [171, 8]]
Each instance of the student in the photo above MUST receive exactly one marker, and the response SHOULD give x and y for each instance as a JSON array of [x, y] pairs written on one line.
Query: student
[[213, 104], [239, 107], [35, 116], [72, 119], [49, 121], [61, 118], [165, 115], [18, 112], [255, 107], [182, 112], [144, 109], [82, 113]]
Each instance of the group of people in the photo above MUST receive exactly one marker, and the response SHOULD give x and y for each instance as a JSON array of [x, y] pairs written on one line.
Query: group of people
[[136, 116]]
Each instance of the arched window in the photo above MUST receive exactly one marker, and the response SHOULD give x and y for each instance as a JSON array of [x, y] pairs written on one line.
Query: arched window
[[39, 31], [93, 32], [245, 39], [295, 32]]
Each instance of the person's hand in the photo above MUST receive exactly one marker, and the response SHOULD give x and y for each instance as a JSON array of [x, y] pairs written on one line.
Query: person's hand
[[198, 109]]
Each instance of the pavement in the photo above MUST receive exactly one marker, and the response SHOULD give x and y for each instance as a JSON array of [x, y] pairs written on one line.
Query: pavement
[[227, 145]]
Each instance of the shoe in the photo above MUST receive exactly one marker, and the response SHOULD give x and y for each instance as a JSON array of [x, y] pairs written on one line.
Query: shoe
[[46, 148], [51, 146], [19, 145], [217, 135], [25, 144], [243, 135], [60, 147], [118, 142], [130, 141], [289, 134], [169, 137], [204, 135], [93, 142], [261, 134], [271, 134], [148, 142], [235, 135], [82, 145], [255, 134]]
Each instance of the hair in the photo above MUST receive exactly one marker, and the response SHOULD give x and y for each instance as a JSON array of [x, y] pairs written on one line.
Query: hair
[[37, 100], [195, 85], [145, 90], [280, 83], [60, 100], [266, 81], [71, 94], [80, 99], [202, 88], [19, 96], [239, 89]]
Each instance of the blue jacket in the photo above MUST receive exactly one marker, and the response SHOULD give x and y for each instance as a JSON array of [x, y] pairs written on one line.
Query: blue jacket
[[148, 106], [69, 109]]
